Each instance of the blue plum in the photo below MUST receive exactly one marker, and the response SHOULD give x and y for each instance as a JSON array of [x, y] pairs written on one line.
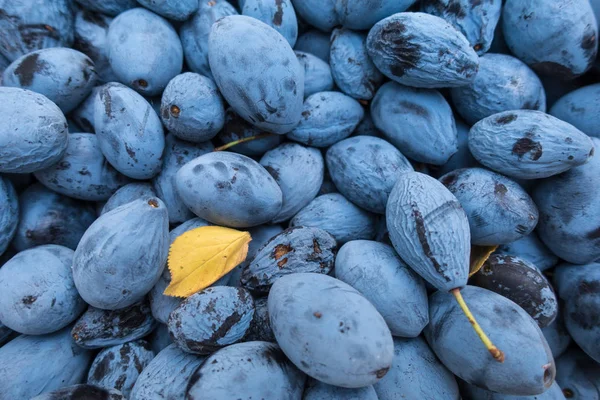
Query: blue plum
[[327, 118], [31, 365], [298, 171], [38, 292], [580, 108], [335, 214], [562, 47], [321, 391], [416, 374], [419, 122], [109, 7], [83, 172], [9, 213], [530, 248], [352, 69], [166, 376], [398, 293], [159, 338], [463, 157], [127, 194], [129, 132], [211, 319], [364, 169], [528, 368], [90, 38], [314, 42], [192, 108], [179, 10], [229, 189], [578, 375], [34, 131], [83, 115], [28, 26], [144, 51], [65, 76], [476, 20], [503, 83], [568, 205], [422, 50], [103, 328], [260, 327], [557, 336], [299, 249], [177, 154], [194, 34], [345, 341], [82, 391], [119, 366], [429, 230], [259, 369], [278, 14], [367, 127], [353, 14], [236, 128], [317, 73], [47, 217], [269, 95], [471, 392], [122, 254], [499, 210], [528, 144]]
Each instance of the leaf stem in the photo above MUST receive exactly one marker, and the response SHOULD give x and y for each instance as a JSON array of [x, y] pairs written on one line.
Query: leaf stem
[[243, 140], [494, 351]]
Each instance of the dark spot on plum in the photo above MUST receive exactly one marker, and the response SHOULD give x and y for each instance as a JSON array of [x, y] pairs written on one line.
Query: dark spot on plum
[[102, 368], [28, 67], [588, 43], [595, 234], [414, 108], [281, 250], [140, 83], [529, 106], [273, 171], [306, 113], [63, 165], [175, 111], [400, 47], [592, 151], [105, 95], [380, 373], [94, 18], [282, 263], [198, 168], [304, 364], [455, 8], [449, 179], [568, 393], [568, 140], [316, 247], [131, 152], [478, 47], [278, 16], [500, 189], [275, 356], [53, 302], [84, 171], [553, 69], [422, 234], [522, 229], [28, 300], [526, 145], [505, 119], [317, 314]]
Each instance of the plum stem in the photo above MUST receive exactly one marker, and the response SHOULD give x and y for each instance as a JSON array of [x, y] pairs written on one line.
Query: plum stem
[[243, 140], [494, 351]]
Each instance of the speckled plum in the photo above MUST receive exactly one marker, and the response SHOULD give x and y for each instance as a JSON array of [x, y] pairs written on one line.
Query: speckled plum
[[122, 254], [422, 50], [33, 134], [177, 154], [269, 95], [83, 172], [346, 342], [63, 75], [127, 194], [335, 214], [503, 83], [279, 15], [364, 169], [554, 37], [528, 368], [259, 369], [129, 132], [298, 171], [429, 230], [118, 367], [91, 29], [419, 122], [28, 26], [317, 73], [194, 34], [38, 292], [36, 364], [192, 108], [144, 51], [569, 205], [103, 328], [166, 376], [299, 249], [229, 189], [9, 213], [327, 118], [530, 248], [396, 291], [528, 144], [352, 69], [580, 108], [416, 374]]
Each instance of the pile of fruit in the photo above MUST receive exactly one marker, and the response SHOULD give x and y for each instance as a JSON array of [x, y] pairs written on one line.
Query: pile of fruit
[[299, 200]]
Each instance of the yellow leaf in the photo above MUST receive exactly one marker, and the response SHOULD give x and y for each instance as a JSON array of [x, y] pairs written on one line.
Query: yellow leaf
[[200, 257], [479, 255]]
